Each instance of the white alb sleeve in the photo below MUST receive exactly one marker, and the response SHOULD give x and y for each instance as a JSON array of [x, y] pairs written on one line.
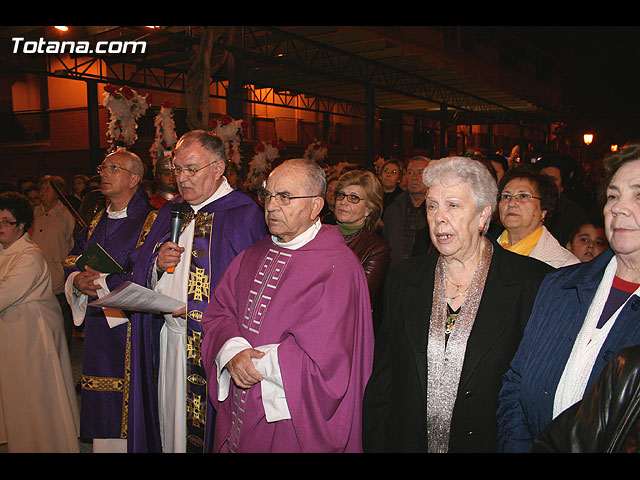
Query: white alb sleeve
[[274, 400]]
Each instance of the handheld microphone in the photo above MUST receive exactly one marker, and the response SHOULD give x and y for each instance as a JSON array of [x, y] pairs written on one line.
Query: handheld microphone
[[177, 214]]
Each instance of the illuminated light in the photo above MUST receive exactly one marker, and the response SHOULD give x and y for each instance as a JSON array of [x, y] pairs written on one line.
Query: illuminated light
[[62, 29], [149, 26], [588, 138], [614, 148]]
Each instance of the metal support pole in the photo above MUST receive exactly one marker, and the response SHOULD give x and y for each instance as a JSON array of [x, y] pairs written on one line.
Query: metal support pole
[[326, 127], [489, 144], [370, 125], [443, 130], [95, 154], [236, 85]]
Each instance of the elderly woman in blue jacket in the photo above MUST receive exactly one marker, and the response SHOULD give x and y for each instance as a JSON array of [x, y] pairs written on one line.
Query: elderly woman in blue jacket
[[583, 315]]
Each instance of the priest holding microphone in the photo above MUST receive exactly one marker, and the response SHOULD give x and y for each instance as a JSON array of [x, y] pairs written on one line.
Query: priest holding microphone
[[193, 239]]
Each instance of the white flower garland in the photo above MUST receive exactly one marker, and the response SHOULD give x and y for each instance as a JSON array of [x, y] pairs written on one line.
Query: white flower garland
[[166, 138], [125, 107], [317, 151], [230, 131], [266, 153]]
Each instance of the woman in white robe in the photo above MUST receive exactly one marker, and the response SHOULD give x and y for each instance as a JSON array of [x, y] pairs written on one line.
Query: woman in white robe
[[38, 403]]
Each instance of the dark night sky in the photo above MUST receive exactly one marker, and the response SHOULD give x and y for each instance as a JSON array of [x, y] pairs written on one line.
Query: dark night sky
[[601, 68]]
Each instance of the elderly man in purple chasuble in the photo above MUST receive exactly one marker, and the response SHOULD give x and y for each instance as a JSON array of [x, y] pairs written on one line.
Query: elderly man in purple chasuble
[[288, 334], [168, 405], [119, 229]]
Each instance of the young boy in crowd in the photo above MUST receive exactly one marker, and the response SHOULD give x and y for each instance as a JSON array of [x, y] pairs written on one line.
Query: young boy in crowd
[[588, 241]]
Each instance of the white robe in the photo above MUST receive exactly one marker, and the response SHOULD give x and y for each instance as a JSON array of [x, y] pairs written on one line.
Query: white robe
[[38, 402], [172, 375]]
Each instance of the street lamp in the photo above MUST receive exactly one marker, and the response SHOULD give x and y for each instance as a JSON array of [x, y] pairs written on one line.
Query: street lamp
[[588, 138]]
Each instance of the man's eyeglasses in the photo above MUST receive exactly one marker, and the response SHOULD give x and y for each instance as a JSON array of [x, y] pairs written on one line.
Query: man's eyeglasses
[[7, 223], [351, 197], [281, 198], [520, 197], [188, 171], [111, 169]]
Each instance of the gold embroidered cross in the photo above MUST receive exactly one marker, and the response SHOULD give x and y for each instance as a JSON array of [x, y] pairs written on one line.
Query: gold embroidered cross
[[198, 284], [196, 410], [203, 222], [193, 347]]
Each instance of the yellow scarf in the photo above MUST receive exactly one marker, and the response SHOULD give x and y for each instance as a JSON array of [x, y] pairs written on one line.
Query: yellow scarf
[[524, 246]]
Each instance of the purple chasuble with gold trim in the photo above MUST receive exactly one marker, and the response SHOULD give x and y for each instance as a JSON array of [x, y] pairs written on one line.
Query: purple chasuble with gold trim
[[106, 355], [223, 228], [314, 303]]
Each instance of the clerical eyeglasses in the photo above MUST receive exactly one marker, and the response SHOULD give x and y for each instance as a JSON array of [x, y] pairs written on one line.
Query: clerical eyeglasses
[[188, 171], [281, 198], [111, 169]]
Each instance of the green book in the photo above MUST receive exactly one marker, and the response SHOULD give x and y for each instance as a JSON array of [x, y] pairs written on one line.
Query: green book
[[97, 258]]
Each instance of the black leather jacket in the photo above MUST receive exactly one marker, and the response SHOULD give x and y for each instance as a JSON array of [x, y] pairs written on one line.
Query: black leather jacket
[[607, 419]]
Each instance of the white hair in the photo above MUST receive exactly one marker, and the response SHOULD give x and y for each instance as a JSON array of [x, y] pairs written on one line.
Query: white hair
[[473, 172]]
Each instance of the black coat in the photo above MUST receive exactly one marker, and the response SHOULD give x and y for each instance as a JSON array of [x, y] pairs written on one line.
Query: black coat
[[394, 416], [607, 419]]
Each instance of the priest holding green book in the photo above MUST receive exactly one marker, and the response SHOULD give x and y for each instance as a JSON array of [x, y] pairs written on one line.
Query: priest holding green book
[[118, 229]]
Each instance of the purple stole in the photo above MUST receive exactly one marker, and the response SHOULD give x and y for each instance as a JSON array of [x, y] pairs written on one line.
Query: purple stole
[[223, 228], [198, 294]]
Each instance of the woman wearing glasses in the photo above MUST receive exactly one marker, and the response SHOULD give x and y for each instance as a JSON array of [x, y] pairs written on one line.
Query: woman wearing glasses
[[452, 321], [358, 207], [38, 403], [583, 316], [526, 199]]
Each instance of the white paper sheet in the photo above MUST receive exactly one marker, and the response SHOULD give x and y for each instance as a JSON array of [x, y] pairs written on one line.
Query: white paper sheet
[[136, 298]]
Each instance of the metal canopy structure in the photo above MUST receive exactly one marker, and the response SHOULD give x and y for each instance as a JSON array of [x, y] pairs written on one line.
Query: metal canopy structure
[[338, 69]]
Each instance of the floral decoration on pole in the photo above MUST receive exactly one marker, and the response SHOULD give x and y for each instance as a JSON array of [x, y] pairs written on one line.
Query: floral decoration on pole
[[266, 153], [317, 151], [125, 106], [166, 138], [231, 133]]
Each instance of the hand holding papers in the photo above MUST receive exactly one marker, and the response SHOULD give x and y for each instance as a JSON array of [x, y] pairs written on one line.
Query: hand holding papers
[[136, 298]]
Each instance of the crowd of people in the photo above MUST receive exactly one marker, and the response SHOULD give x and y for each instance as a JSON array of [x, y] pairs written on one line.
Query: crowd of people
[[460, 304]]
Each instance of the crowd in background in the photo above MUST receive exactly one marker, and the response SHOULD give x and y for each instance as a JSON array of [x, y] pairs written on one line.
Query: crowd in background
[[551, 211]]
